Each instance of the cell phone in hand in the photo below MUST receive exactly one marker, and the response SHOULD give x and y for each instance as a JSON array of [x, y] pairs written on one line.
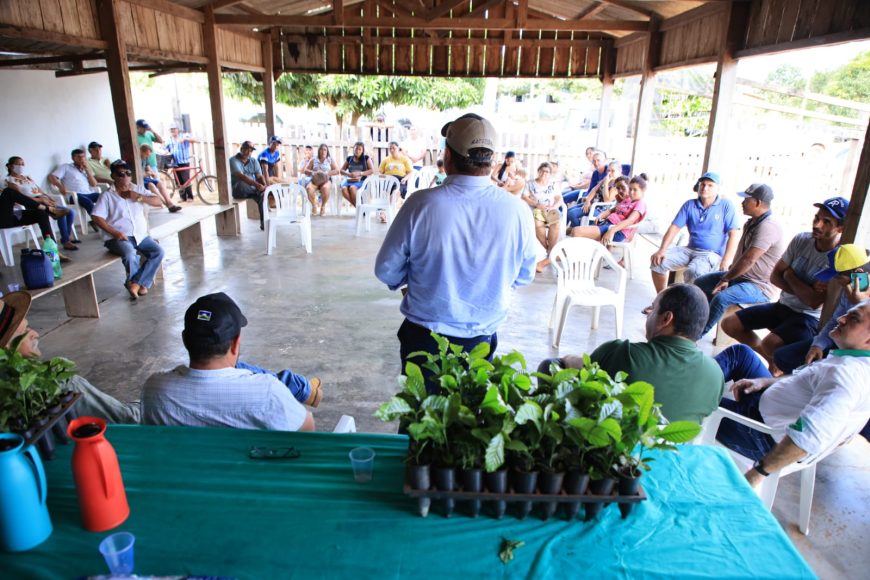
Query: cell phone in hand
[[862, 279]]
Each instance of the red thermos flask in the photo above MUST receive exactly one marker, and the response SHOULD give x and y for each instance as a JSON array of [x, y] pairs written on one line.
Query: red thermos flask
[[102, 499]]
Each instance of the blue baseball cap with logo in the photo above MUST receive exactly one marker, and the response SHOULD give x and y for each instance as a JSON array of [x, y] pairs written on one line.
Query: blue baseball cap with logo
[[836, 206], [710, 176]]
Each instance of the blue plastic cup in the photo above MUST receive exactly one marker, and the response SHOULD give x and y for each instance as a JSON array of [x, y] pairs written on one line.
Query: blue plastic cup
[[117, 550], [362, 460]]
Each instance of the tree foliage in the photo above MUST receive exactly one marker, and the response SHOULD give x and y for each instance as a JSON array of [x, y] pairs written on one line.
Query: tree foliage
[[353, 96], [851, 81]]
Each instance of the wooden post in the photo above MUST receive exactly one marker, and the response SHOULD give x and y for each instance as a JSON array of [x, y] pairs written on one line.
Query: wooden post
[[119, 83], [859, 196], [269, 86], [602, 140], [216, 98], [647, 93], [716, 148]]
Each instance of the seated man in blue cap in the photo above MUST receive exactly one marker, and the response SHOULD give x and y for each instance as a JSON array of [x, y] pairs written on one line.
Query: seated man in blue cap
[[714, 231], [795, 317], [270, 161], [215, 390], [844, 261]]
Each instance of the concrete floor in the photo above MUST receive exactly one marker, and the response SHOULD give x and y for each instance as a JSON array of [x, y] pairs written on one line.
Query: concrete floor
[[326, 315]]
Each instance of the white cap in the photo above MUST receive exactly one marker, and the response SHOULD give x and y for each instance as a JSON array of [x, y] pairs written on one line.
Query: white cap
[[468, 132]]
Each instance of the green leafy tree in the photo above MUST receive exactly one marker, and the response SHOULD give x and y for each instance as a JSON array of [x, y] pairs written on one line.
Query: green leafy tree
[[851, 81], [787, 77], [354, 96]]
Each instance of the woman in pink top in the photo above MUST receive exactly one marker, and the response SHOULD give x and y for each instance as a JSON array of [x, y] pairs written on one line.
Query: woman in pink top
[[619, 224]]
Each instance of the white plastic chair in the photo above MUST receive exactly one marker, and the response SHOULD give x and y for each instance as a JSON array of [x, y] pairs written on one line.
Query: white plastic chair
[[767, 489], [373, 196], [81, 215], [345, 425], [420, 179], [604, 205], [286, 209], [576, 262], [7, 240]]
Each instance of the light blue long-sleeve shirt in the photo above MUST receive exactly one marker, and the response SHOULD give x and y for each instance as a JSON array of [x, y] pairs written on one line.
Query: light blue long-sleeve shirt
[[460, 248], [823, 339]]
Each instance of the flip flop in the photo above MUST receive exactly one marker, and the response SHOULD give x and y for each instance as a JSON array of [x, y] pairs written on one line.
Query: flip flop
[[316, 393]]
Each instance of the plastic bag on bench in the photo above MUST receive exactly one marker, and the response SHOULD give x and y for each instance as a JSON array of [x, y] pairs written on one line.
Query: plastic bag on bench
[[36, 269]]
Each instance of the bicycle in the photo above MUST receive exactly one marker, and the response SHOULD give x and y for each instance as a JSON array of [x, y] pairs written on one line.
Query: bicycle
[[206, 185]]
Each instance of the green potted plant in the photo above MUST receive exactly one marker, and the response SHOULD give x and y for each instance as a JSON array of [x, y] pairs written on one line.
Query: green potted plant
[[31, 393]]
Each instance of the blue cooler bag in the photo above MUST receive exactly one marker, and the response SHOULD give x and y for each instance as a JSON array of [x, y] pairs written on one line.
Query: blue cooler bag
[[36, 269]]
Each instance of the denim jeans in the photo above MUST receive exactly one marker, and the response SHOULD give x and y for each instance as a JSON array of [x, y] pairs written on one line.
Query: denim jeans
[[571, 196], [737, 292], [413, 338], [65, 225], [87, 201], [299, 386], [791, 356], [129, 250], [740, 362]]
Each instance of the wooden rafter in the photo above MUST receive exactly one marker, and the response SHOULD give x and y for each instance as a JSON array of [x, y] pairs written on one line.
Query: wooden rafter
[[482, 7], [322, 21], [629, 6], [50, 59], [442, 9], [218, 4]]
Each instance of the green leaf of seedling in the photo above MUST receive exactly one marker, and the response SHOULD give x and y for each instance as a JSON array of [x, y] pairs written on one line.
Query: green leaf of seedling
[[529, 411], [434, 403], [522, 382], [680, 431], [512, 358], [493, 402], [441, 342], [494, 456], [506, 551], [480, 351], [392, 409], [515, 445], [448, 382], [414, 383], [610, 409]]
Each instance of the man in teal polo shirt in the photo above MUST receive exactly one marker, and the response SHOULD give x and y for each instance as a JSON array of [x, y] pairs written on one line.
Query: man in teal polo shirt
[[145, 135], [713, 235], [688, 383]]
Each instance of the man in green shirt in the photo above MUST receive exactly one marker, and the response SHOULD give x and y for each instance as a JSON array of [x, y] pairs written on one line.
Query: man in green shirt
[[688, 383], [146, 135]]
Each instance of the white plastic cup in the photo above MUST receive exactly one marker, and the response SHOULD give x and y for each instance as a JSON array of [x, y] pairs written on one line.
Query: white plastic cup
[[362, 460], [117, 550]]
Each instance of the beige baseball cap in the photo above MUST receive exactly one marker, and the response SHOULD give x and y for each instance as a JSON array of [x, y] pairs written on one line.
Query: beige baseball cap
[[469, 131]]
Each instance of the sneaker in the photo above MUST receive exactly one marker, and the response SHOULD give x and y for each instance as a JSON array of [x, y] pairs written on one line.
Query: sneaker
[[174, 209]]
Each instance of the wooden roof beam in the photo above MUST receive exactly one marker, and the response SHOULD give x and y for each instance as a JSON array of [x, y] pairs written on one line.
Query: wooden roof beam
[[479, 9], [72, 58], [294, 22], [629, 6], [442, 9], [590, 11], [218, 4]]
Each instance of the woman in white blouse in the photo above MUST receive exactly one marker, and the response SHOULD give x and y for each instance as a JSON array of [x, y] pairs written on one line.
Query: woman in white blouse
[[24, 185]]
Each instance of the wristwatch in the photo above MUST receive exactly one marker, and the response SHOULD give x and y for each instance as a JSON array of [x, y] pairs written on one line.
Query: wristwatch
[[760, 469]]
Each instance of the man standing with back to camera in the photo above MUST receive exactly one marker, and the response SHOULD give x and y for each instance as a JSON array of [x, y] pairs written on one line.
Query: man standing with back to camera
[[460, 248]]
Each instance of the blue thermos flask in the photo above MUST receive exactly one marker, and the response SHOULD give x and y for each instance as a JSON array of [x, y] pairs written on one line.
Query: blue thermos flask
[[24, 521]]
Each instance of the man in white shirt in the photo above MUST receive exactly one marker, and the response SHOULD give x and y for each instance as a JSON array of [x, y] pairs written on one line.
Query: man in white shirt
[[212, 391], [818, 407], [77, 179], [120, 215]]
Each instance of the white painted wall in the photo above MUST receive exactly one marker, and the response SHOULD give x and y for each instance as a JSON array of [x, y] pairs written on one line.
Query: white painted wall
[[43, 118]]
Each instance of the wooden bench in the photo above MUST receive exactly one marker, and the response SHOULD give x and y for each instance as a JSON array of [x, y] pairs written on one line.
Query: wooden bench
[[77, 282]]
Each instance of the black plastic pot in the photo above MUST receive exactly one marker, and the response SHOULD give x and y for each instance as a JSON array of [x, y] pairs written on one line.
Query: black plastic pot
[[445, 480], [524, 482], [496, 482], [472, 480], [550, 482], [418, 478], [603, 486], [628, 485], [575, 483]]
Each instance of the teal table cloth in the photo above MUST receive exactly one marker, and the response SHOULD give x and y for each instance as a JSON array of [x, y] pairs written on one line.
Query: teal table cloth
[[200, 506]]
